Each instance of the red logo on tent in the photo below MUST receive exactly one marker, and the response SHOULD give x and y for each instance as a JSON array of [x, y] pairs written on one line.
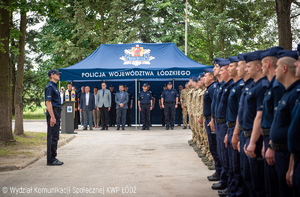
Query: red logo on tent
[[137, 51]]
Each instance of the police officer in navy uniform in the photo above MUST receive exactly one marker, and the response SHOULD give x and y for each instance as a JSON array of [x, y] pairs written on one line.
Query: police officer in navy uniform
[[274, 92], [129, 104], [145, 106], [293, 174], [162, 111], [153, 102], [211, 84], [253, 105], [285, 74], [112, 111], [53, 103], [169, 100]]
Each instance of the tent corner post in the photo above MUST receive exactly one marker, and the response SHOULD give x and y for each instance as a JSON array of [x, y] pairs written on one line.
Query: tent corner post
[[136, 104]]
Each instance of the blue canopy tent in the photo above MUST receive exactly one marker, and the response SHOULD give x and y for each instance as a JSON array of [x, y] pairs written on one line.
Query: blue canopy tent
[[120, 63]]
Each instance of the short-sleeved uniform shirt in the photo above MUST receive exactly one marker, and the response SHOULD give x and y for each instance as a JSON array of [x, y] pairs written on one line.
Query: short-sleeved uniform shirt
[[214, 100], [145, 97], [208, 98], [275, 91], [222, 107], [152, 93], [218, 98], [248, 84], [169, 95], [52, 94], [283, 114], [233, 100], [254, 102], [294, 129]]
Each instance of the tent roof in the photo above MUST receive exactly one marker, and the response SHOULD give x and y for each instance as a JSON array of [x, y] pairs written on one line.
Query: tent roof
[[118, 61]]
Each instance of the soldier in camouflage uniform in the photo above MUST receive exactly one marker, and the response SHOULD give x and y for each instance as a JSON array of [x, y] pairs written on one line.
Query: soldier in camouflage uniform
[[183, 102], [189, 101], [193, 111]]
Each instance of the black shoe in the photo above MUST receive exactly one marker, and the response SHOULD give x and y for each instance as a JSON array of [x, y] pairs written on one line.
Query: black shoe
[[143, 129], [150, 125], [224, 192], [129, 125], [214, 177], [148, 128], [106, 128], [184, 127], [84, 128], [118, 129], [55, 163], [91, 128], [172, 128], [123, 128], [163, 125], [218, 186], [167, 128], [102, 128]]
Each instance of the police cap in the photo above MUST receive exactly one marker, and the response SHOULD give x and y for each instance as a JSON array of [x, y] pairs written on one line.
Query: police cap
[[53, 72], [241, 56], [145, 84], [270, 52], [255, 55], [217, 60], [233, 59], [287, 53], [224, 63]]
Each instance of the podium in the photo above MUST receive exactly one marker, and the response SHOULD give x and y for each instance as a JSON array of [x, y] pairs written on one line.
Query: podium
[[67, 117]]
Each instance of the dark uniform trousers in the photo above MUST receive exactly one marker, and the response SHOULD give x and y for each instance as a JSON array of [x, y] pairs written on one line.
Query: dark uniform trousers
[[129, 116], [296, 179], [239, 187], [212, 142], [257, 168], [145, 113], [52, 136], [224, 153], [244, 165], [179, 114], [282, 160], [112, 115], [170, 114], [163, 119], [271, 178], [220, 144]]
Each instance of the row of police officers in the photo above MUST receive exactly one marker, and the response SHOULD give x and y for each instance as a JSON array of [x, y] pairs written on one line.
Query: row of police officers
[[245, 117]]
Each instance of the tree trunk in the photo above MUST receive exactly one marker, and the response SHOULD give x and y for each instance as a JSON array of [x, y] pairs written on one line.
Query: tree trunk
[[283, 10], [5, 127], [102, 23], [12, 67], [19, 80]]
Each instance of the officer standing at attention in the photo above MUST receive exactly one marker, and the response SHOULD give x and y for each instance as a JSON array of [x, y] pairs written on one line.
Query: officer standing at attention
[[112, 111], [169, 99], [179, 108], [274, 92], [285, 74], [163, 122], [129, 104], [53, 103], [293, 174], [153, 103], [253, 105], [183, 102], [145, 106]]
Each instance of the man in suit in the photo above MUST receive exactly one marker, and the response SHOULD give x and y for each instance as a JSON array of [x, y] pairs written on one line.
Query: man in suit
[[103, 103], [87, 106], [121, 100]]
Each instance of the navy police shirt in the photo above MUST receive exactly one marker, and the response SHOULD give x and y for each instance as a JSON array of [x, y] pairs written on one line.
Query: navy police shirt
[[207, 99], [283, 114], [214, 100], [254, 102], [233, 100], [52, 94], [169, 95], [275, 91], [222, 107], [218, 97], [293, 132], [248, 84], [145, 97]]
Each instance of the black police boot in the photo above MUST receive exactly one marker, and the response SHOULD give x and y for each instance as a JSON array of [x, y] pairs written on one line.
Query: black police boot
[[143, 129], [85, 128], [106, 128], [184, 127], [214, 177], [148, 128], [224, 192], [163, 125], [167, 128], [118, 128], [55, 163], [172, 128], [102, 128], [218, 186]]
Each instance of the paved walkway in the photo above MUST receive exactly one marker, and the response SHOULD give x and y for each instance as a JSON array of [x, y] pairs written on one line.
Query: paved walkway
[[117, 163]]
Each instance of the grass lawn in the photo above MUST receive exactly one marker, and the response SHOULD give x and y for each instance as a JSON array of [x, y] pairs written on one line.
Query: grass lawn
[[38, 114]]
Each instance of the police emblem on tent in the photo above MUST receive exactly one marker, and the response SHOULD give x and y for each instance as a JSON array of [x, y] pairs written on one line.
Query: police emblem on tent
[[137, 55]]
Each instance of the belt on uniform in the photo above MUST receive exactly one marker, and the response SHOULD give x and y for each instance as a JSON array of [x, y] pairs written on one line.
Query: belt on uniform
[[230, 124], [279, 147], [241, 128], [207, 117], [247, 133], [170, 102], [296, 157], [221, 120], [145, 103], [265, 132], [56, 108]]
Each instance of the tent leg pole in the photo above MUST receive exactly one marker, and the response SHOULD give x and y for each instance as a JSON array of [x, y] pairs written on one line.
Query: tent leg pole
[[139, 111], [136, 108]]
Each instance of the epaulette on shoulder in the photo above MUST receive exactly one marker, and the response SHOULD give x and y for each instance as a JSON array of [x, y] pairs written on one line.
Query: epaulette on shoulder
[[265, 82], [275, 83]]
